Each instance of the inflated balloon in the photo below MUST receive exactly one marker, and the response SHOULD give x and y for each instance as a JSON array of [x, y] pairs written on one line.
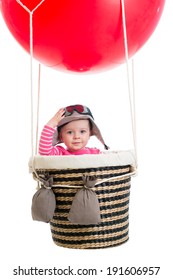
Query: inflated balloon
[[81, 35]]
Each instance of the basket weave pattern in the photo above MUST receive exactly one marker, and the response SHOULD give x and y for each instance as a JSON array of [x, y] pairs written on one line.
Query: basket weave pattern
[[113, 196]]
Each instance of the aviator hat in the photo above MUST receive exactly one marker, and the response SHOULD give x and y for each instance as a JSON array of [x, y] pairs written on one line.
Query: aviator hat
[[80, 112]]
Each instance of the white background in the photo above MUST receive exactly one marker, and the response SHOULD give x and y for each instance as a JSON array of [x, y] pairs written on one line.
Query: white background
[[27, 243]]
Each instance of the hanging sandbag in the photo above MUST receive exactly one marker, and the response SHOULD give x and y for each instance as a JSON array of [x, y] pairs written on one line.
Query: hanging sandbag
[[44, 202], [85, 209]]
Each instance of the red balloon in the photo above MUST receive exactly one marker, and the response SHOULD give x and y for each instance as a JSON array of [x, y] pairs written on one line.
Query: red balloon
[[82, 35]]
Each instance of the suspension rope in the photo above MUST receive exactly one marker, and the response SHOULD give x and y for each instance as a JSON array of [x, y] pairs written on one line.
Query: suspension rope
[[31, 73], [134, 114], [131, 87], [38, 109]]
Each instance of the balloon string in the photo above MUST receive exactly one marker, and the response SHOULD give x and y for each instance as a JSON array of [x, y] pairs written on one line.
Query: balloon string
[[134, 113], [26, 8], [31, 75], [38, 109], [131, 90]]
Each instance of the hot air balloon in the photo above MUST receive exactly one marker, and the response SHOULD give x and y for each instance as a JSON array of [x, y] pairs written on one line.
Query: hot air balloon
[[81, 36]]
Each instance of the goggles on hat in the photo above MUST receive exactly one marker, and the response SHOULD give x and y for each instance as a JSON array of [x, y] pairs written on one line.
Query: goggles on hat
[[83, 110]]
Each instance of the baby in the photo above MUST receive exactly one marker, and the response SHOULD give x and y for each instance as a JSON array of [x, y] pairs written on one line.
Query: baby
[[73, 126]]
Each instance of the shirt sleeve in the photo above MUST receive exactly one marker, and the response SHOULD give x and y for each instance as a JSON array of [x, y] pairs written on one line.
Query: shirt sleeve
[[45, 144]]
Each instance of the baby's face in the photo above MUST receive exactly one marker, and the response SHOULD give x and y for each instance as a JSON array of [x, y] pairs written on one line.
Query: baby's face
[[75, 135]]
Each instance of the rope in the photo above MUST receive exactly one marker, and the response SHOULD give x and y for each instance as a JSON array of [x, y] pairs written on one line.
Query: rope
[[31, 74], [26, 8], [134, 114], [133, 173], [131, 90], [115, 178], [38, 109]]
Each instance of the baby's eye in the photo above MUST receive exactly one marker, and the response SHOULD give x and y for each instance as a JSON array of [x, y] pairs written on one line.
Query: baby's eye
[[83, 131], [69, 132]]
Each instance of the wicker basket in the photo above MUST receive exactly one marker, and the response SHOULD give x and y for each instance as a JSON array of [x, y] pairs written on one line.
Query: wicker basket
[[112, 190]]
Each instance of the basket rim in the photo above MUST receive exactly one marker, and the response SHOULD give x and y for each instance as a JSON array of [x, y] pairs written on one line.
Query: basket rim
[[110, 158]]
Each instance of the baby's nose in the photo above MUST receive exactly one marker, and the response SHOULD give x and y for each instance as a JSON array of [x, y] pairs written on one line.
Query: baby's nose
[[76, 135]]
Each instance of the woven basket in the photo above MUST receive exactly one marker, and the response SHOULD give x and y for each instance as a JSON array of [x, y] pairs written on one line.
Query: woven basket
[[112, 190]]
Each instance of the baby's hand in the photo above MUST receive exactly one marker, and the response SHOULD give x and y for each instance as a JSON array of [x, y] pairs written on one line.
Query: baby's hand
[[56, 118]]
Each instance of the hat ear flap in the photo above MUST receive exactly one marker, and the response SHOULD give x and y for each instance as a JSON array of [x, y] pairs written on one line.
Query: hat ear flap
[[91, 127], [95, 131], [59, 136]]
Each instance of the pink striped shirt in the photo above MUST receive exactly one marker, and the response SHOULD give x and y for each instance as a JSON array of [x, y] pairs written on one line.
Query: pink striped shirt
[[47, 149]]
